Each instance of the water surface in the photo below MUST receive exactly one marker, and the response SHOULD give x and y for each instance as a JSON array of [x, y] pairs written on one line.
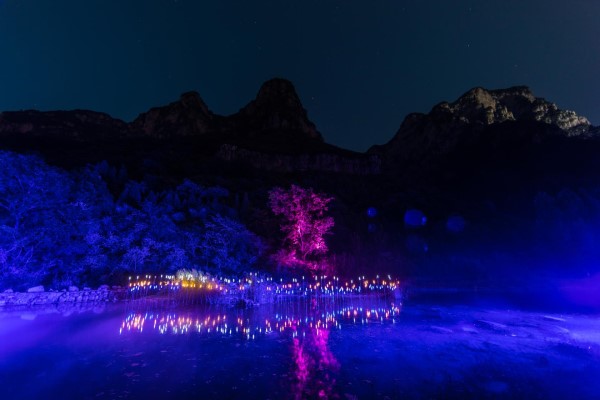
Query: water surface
[[352, 348]]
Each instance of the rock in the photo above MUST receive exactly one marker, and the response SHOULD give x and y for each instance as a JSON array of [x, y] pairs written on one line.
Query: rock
[[277, 107], [356, 164], [36, 289], [103, 288], [73, 289], [517, 103], [8, 291], [187, 117], [274, 128], [478, 121], [75, 125], [87, 289]]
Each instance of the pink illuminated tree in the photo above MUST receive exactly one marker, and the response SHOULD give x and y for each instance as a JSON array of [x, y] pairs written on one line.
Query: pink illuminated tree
[[305, 222]]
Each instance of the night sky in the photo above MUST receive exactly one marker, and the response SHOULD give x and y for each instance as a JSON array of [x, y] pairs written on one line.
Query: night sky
[[358, 66]]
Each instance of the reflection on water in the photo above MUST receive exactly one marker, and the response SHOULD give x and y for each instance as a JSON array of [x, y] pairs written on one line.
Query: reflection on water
[[264, 320], [305, 323], [315, 365], [344, 348]]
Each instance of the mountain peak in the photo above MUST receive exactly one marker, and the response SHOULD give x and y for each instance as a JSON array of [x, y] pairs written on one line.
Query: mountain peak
[[477, 117], [517, 103], [277, 108], [188, 116], [192, 100], [278, 88], [520, 90], [482, 98]]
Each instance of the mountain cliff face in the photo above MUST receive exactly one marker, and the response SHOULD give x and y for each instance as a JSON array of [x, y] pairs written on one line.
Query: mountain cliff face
[[358, 164], [272, 133], [277, 107], [496, 117], [514, 104], [276, 110], [77, 125], [189, 116]]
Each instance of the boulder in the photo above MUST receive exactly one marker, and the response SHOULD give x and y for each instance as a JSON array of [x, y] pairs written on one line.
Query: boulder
[[36, 289]]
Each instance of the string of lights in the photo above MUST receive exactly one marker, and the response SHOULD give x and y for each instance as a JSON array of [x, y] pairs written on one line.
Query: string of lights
[[318, 286]]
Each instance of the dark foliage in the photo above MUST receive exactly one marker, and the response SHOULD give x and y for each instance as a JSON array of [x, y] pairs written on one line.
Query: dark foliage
[[59, 228]]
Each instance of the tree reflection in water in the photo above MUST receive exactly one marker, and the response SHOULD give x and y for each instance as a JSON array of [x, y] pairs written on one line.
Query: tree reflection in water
[[307, 323], [315, 365]]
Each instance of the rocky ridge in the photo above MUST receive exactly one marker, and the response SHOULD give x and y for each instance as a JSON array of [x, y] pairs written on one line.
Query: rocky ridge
[[450, 126], [277, 110], [324, 162], [517, 103], [273, 131], [189, 116], [79, 125]]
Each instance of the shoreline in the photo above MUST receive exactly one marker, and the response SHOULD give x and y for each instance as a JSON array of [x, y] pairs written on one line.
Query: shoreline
[[37, 296]]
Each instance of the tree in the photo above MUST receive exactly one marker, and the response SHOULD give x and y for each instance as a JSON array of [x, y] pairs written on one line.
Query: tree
[[305, 222], [228, 247], [35, 204]]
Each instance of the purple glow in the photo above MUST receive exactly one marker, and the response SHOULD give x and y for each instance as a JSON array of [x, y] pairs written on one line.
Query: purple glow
[[584, 292], [305, 225], [361, 347], [315, 365]]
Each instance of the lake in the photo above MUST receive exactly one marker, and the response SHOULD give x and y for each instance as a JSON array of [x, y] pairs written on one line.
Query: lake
[[348, 348]]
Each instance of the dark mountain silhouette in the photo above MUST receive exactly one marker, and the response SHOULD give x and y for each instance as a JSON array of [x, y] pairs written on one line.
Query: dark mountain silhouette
[[503, 160], [491, 143], [189, 116], [275, 114], [474, 117], [272, 132], [76, 125], [483, 141], [494, 146]]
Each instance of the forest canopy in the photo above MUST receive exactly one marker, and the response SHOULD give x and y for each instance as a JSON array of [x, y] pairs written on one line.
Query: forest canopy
[[95, 226]]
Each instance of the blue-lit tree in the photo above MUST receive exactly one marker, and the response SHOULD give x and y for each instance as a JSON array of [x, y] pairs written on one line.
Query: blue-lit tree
[[60, 228], [228, 247]]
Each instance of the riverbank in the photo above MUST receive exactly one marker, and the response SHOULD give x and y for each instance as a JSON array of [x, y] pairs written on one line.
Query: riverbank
[[37, 296]]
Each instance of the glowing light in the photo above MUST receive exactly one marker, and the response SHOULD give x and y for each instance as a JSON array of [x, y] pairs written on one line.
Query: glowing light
[[198, 283], [170, 323]]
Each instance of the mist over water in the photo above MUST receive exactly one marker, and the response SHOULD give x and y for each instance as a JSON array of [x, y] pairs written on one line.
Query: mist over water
[[366, 347]]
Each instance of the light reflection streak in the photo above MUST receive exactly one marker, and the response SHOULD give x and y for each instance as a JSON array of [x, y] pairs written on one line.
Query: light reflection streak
[[256, 324], [308, 325]]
